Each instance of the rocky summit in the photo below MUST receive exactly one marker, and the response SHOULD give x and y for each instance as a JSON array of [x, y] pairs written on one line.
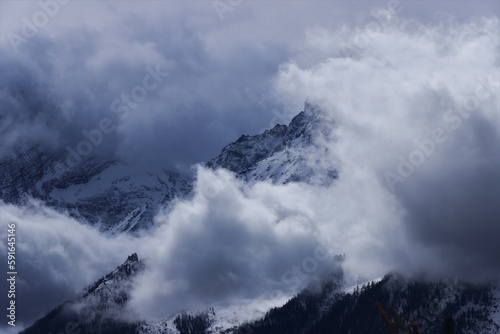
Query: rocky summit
[[117, 199]]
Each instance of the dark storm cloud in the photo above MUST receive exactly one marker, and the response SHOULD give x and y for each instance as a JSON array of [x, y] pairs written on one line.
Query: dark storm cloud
[[89, 54], [50, 94], [419, 108], [27, 113], [209, 98], [224, 78], [232, 243], [454, 208], [56, 257], [229, 243]]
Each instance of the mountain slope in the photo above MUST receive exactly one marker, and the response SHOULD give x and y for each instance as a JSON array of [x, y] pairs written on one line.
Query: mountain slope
[[474, 309], [119, 198], [283, 154], [329, 308], [122, 199], [99, 308], [107, 193]]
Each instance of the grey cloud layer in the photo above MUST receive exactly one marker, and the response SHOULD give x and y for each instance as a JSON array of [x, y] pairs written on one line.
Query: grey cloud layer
[[398, 85], [418, 110], [65, 78]]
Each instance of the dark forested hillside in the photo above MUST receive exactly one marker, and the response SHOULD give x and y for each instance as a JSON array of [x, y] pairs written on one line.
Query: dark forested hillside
[[427, 304]]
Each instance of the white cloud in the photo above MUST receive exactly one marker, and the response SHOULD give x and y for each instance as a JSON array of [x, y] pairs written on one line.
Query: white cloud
[[417, 109], [235, 242], [56, 256]]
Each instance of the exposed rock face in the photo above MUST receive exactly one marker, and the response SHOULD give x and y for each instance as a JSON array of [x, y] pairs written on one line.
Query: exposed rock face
[[98, 309], [117, 198], [293, 153], [109, 193]]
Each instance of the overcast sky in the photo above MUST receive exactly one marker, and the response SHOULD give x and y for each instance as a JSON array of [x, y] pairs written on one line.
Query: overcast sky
[[415, 95], [65, 69]]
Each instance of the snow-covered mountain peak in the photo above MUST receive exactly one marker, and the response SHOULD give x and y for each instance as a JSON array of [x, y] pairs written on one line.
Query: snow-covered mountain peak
[[293, 153], [118, 198], [98, 308], [107, 193]]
